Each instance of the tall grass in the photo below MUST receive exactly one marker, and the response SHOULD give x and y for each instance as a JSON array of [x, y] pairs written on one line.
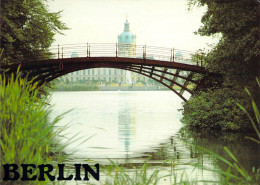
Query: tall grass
[[255, 122], [119, 176], [26, 134]]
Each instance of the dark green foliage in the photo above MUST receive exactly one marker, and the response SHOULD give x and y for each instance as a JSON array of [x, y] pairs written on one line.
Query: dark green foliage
[[237, 54], [27, 27], [236, 57], [216, 110]]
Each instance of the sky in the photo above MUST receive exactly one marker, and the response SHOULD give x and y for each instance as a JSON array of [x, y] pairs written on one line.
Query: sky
[[164, 23]]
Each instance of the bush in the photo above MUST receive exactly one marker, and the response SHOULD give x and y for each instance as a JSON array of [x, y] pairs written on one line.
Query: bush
[[216, 109]]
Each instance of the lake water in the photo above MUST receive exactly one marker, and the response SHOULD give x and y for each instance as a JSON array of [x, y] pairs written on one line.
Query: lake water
[[130, 128]]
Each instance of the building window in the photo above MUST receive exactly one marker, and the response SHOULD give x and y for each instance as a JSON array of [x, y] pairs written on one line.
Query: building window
[[110, 79], [115, 71], [93, 71], [98, 71], [77, 72], [88, 72], [71, 78], [122, 72], [84, 72], [104, 71], [109, 71]]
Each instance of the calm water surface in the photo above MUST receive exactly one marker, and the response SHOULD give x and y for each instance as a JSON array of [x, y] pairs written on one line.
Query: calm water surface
[[131, 128]]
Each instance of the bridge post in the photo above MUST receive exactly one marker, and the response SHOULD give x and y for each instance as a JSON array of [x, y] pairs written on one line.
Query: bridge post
[[144, 52], [151, 73], [58, 51], [87, 49], [116, 50], [172, 54]]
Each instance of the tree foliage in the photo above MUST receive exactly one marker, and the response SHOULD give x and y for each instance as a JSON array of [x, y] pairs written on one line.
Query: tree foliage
[[27, 26], [236, 57], [238, 51], [216, 110]]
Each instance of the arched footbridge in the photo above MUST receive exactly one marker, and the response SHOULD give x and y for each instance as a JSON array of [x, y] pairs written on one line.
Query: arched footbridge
[[170, 67]]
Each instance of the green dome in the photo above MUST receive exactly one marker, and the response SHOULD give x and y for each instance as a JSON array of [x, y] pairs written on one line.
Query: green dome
[[126, 37]]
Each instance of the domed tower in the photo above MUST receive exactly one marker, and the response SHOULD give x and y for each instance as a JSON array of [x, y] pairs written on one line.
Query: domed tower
[[126, 42], [127, 48]]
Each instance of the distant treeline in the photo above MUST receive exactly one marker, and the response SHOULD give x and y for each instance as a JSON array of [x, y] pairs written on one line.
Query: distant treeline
[[76, 87]]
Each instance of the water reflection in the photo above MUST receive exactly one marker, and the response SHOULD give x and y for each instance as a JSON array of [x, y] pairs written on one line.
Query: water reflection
[[246, 151], [132, 127], [126, 127], [186, 158], [129, 128]]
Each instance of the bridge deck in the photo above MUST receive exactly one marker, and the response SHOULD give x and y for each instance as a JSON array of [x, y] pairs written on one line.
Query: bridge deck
[[107, 61]]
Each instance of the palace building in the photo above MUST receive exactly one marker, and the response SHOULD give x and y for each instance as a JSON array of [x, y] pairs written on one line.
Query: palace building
[[126, 48]]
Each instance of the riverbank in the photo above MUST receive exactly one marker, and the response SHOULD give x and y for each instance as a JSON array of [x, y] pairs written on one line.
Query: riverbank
[[132, 88], [113, 87]]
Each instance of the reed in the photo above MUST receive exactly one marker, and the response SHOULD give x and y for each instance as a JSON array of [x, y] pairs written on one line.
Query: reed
[[117, 175], [27, 136]]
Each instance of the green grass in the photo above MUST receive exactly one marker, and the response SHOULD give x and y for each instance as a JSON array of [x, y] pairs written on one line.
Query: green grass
[[117, 175], [26, 134]]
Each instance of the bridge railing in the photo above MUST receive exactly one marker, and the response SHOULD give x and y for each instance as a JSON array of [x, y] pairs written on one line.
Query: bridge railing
[[120, 50]]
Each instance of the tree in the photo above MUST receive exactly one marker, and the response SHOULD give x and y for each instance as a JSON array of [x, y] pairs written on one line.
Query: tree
[[27, 27], [237, 53], [236, 57]]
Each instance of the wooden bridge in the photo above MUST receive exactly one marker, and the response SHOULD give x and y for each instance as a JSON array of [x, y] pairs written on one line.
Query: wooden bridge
[[164, 65]]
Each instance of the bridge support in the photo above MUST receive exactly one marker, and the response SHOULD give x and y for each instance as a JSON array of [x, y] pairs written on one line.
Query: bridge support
[[162, 75]]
